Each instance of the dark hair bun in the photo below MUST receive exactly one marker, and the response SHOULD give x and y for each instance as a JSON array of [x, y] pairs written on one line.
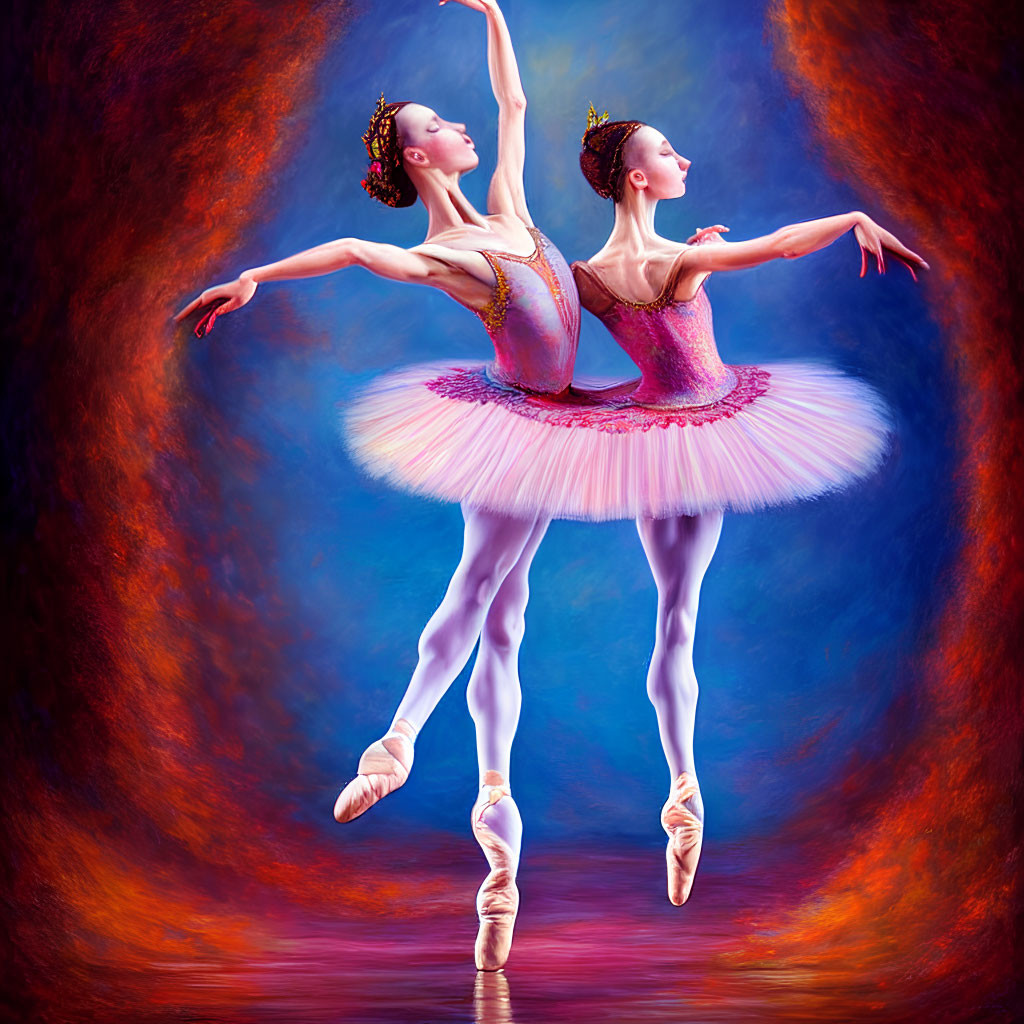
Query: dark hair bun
[[601, 158], [386, 178]]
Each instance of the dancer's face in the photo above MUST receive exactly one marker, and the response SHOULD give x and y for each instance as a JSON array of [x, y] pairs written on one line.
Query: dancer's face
[[428, 140], [654, 166]]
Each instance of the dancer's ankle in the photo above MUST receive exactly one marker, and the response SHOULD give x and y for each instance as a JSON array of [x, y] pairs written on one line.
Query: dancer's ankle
[[686, 780], [405, 728]]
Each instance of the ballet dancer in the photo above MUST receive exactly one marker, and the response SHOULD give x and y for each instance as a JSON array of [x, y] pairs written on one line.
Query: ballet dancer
[[715, 436], [420, 422]]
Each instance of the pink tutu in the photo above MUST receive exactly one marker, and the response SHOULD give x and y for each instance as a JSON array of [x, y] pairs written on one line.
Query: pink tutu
[[689, 435], [772, 434]]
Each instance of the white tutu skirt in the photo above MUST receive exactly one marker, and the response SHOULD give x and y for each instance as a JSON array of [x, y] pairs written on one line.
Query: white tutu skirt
[[787, 431]]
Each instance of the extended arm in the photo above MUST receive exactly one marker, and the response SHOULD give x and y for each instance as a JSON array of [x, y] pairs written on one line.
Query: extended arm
[[386, 260], [389, 261], [796, 240], [506, 193]]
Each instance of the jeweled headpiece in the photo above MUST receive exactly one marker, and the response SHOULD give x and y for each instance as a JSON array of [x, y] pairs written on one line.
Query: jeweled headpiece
[[386, 178], [594, 120], [601, 159]]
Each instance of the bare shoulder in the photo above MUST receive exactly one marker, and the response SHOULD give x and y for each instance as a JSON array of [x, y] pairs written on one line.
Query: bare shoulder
[[441, 251], [505, 221], [512, 228], [637, 276], [499, 231], [654, 257], [463, 273]]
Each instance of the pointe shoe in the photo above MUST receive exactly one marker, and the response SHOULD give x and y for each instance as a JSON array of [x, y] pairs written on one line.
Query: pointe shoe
[[383, 767], [497, 901], [685, 835]]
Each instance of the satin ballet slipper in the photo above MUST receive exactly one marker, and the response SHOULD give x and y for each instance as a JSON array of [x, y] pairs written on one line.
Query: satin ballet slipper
[[685, 835], [497, 901], [383, 767]]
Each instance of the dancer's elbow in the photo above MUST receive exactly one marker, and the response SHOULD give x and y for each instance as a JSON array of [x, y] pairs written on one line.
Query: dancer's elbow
[[785, 244]]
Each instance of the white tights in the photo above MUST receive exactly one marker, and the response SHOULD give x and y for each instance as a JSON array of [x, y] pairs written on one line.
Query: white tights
[[487, 599], [679, 551]]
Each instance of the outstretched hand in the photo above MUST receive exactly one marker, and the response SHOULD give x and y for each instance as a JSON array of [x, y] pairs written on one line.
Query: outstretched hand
[[476, 5], [711, 234], [874, 239], [228, 297]]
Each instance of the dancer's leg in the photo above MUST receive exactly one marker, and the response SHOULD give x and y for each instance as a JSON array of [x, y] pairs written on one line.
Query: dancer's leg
[[492, 544], [679, 551], [494, 695], [494, 698]]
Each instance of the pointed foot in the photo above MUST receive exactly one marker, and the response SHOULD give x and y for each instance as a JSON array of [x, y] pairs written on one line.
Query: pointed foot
[[383, 768]]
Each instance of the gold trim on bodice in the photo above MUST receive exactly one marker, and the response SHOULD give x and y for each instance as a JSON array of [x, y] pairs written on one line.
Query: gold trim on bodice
[[494, 313]]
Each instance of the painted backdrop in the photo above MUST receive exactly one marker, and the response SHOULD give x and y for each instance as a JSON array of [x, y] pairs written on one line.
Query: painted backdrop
[[213, 612]]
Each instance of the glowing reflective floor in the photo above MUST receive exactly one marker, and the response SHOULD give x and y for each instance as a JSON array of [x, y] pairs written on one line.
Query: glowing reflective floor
[[596, 940]]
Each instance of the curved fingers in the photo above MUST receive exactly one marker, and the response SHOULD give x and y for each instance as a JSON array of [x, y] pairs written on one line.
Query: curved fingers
[[908, 259], [192, 306], [474, 5], [701, 233], [206, 321], [907, 264], [907, 256]]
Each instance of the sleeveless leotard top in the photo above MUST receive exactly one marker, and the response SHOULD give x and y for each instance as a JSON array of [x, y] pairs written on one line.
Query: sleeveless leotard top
[[515, 437], [533, 318], [671, 341]]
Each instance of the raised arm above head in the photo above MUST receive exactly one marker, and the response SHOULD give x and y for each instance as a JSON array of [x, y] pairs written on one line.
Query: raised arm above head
[[506, 194], [437, 152]]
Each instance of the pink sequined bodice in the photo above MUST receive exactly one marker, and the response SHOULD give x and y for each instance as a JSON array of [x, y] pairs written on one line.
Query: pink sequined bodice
[[684, 381], [533, 318], [673, 344]]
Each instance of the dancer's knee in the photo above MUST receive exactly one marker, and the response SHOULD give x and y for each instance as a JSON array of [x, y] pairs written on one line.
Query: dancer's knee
[[478, 580], [677, 626], [670, 688], [504, 629]]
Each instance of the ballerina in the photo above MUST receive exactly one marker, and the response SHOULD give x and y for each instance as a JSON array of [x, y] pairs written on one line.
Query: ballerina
[[718, 436], [418, 421]]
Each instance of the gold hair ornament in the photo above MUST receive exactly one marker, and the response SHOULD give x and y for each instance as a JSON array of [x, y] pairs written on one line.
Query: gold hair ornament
[[594, 119]]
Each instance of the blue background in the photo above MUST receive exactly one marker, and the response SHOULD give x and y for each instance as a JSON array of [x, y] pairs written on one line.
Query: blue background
[[810, 615]]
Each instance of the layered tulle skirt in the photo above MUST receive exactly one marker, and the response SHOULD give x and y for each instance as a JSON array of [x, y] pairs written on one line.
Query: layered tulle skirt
[[786, 431]]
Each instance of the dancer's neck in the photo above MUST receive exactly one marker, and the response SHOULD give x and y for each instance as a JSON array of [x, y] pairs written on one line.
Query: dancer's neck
[[633, 232], [447, 207]]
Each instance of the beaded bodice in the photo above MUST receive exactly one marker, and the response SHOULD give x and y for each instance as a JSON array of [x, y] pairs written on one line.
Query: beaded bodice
[[671, 341], [533, 318]]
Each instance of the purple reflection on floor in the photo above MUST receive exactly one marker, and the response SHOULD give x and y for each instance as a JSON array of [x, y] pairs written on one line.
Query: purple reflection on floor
[[596, 940]]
